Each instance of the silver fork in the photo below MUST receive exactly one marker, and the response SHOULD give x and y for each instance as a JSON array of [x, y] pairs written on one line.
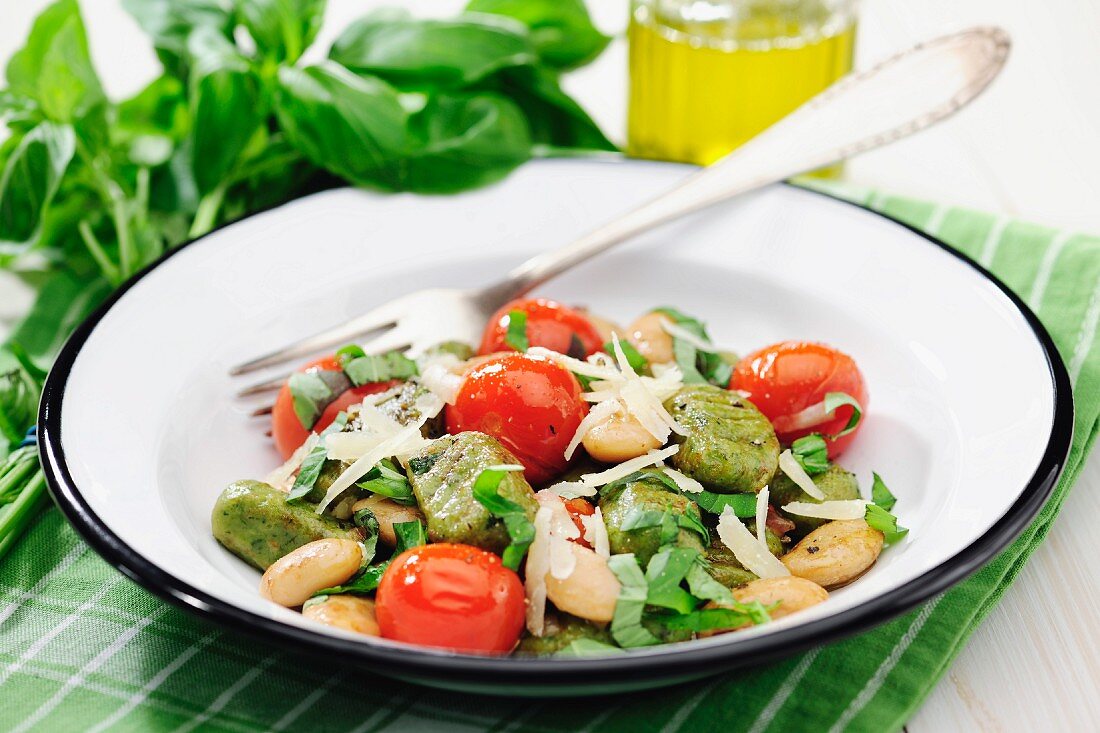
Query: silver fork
[[902, 95]]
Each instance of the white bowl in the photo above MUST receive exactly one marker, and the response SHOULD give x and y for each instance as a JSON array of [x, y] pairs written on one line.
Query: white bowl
[[969, 418]]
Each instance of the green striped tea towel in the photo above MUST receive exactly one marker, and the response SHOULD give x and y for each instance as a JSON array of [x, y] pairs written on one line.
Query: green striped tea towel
[[83, 648]]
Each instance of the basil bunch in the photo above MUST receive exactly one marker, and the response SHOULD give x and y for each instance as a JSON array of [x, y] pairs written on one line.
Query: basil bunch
[[92, 190]]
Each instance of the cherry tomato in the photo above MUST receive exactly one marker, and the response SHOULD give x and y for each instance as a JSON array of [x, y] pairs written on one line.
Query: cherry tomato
[[549, 324], [287, 430], [451, 596], [786, 378], [530, 404], [578, 508]]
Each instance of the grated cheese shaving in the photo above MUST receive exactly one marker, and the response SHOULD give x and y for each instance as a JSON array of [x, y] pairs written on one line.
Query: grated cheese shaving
[[571, 489], [626, 468], [538, 565], [842, 509], [406, 441], [677, 331], [437, 374], [748, 550], [813, 415], [762, 516], [789, 465], [686, 483], [595, 533], [562, 530]]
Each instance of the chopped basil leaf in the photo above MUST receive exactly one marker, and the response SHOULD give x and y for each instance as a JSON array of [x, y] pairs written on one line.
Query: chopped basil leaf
[[684, 321], [713, 619], [704, 587], [409, 535], [521, 532], [687, 520], [373, 368], [365, 520], [659, 477], [834, 400], [363, 584], [882, 495], [588, 648], [633, 357], [638, 518], [626, 623], [349, 353], [698, 366], [313, 392], [517, 330], [420, 465], [386, 480], [885, 522], [311, 467], [669, 522], [743, 505], [812, 454], [686, 355], [663, 575]]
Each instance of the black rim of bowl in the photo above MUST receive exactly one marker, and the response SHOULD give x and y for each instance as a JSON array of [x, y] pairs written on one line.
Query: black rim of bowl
[[651, 665]]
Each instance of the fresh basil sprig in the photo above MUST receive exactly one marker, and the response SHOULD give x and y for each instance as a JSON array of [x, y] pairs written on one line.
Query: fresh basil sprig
[[812, 454], [521, 532], [879, 516]]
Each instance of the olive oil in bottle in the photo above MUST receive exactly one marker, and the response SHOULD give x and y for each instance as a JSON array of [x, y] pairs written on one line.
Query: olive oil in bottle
[[707, 75]]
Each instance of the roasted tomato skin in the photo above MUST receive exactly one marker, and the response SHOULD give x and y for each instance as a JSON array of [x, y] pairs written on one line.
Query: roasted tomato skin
[[550, 325], [785, 378], [578, 508], [453, 597], [287, 430], [530, 404]]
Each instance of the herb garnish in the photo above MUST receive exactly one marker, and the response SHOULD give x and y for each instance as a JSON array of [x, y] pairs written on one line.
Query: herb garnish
[[698, 366], [812, 454], [626, 623], [834, 400], [878, 514], [386, 479], [743, 505], [517, 330], [521, 531], [314, 462], [633, 357], [371, 368], [313, 391]]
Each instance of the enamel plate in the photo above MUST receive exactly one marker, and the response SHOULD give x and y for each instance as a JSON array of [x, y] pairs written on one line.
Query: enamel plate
[[969, 420]]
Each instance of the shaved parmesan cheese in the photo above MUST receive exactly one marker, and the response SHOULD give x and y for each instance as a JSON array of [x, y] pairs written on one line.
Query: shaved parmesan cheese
[[596, 416], [677, 331], [685, 483], [595, 533], [401, 443], [789, 465], [762, 516], [281, 477], [593, 368], [845, 509], [748, 550], [626, 468], [571, 489], [437, 374], [813, 415], [428, 406], [538, 565], [377, 399]]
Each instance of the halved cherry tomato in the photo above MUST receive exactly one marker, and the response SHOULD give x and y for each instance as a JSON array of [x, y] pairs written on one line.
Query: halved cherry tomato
[[786, 378], [451, 596], [530, 404], [287, 430], [549, 324], [578, 508]]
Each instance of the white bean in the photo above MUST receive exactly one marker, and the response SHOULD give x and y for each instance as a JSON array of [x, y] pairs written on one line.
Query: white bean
[[388, 513], [835, 553], [591, 589], [296, 576], [650, 339], [619, 439], [791, 593], [351, 613]]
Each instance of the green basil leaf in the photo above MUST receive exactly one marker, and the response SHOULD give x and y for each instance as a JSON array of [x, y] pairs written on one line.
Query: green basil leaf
[[463, 140], [691, 522], [834, 400], [151, 123], [698, 366], [64, 300], [556, 121], [282, 29], [170, 22], [637, 362], [885, 522], [521, 532], [363, 584], [638, 518], [588, 648], [517, 330], [308, 474], [54, 67], [313, 391], [30, 179], [561, 30], [882, 495], [349, 352], [704, 587], [409, 535], [226, 106], [435, 54], [626, 623], [365, 520], [708, 619], [812, 454], [386, 480], [664, 573], [352, 126], [373, 368], [687, 356], [743, 505]]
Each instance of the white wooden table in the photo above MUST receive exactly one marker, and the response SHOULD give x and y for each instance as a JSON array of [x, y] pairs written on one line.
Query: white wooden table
[[1029, 148]]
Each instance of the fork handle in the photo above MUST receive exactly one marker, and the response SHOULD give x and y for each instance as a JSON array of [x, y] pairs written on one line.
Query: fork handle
[[862, 111]]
